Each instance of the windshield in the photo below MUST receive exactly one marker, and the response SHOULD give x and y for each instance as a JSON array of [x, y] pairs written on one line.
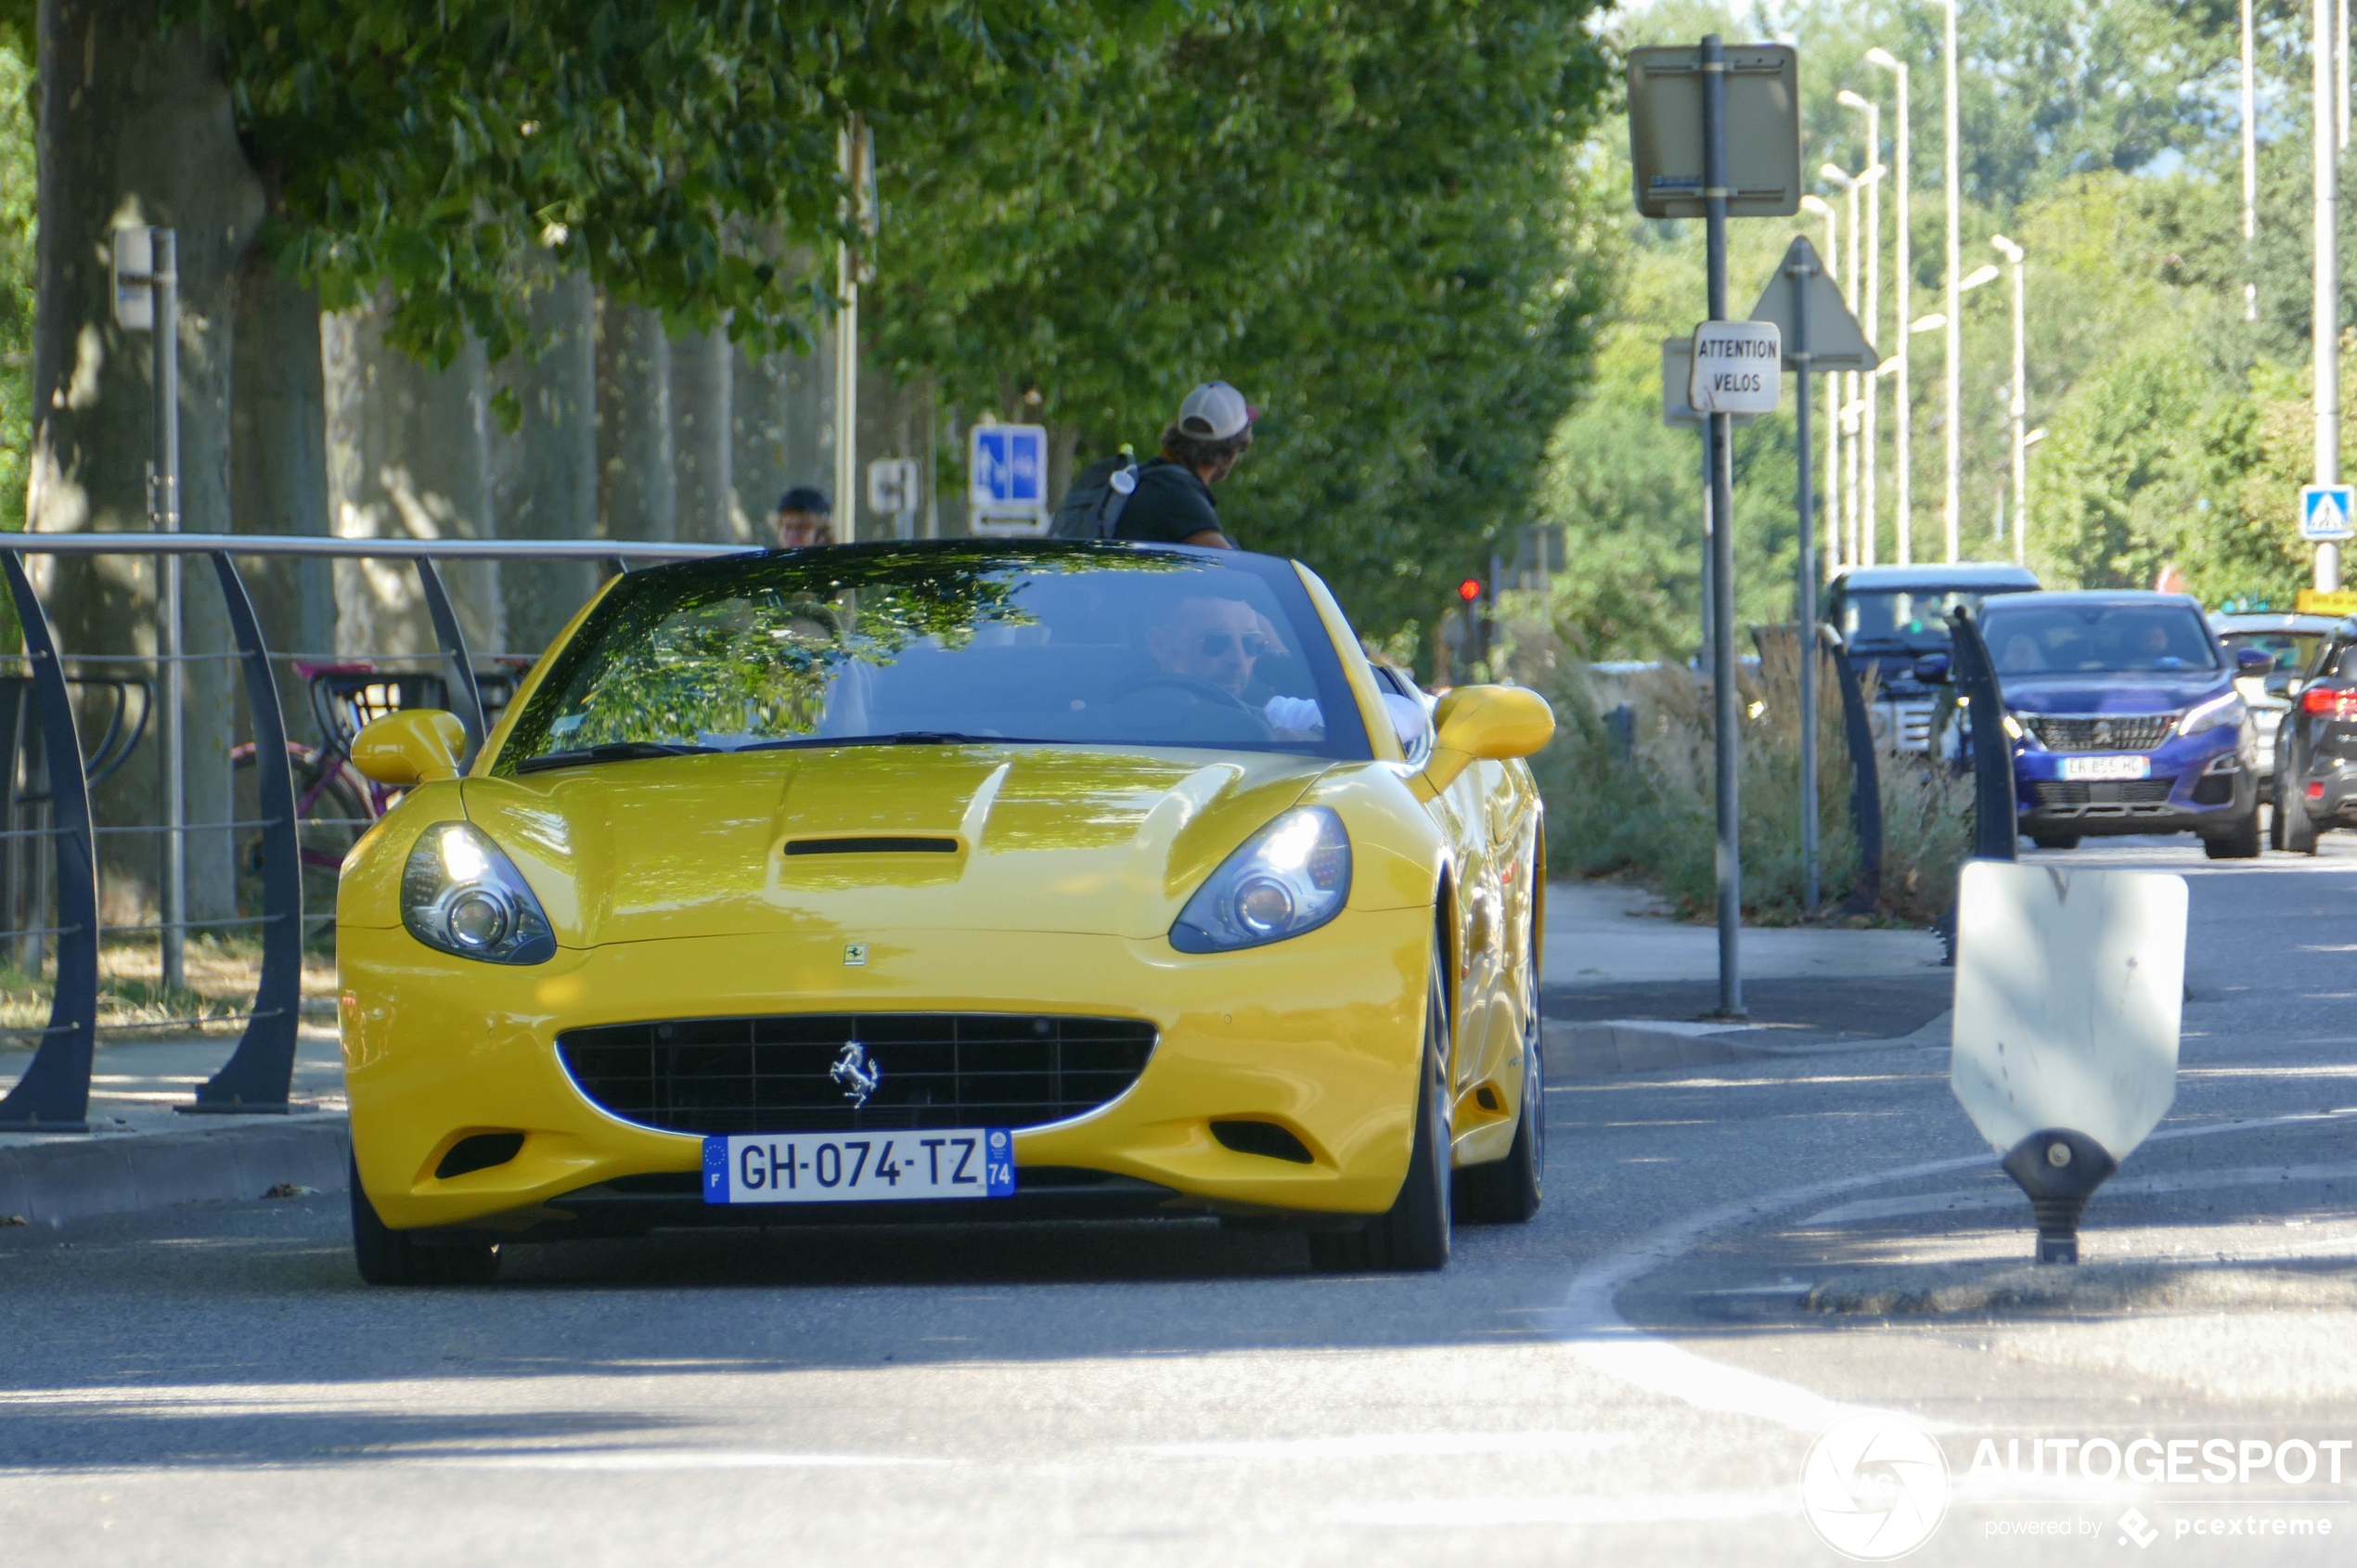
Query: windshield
[[918, 644], [1914, 618], [2100, 638], [2294, 652]]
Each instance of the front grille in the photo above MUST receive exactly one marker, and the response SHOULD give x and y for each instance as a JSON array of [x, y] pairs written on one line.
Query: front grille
[[2146, 797], [778, 1075], [2100, 732]]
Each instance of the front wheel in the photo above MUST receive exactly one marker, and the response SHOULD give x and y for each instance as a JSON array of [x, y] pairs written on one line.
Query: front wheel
[[2241, 843], [1413, 1234], [2300, 829], [387, 1257]]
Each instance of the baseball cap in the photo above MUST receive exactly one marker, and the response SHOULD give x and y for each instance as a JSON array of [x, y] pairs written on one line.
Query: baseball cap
[[805, 498], [1215, 411]]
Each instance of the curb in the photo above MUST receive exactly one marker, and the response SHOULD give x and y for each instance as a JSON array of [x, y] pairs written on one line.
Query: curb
[[1625, 1045], [46, 1183]]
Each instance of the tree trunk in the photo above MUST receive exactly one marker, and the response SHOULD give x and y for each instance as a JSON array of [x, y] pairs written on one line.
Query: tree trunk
[[700, 440], [545, 476], [636, 499], [760, 409], [135, 128], [278, 461], [409, 457]]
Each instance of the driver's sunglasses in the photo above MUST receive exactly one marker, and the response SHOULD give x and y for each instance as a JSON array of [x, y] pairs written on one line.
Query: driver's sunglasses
[[1215, 644]]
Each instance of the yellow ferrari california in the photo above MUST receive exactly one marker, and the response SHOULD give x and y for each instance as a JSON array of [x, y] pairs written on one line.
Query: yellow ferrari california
[[944, 883]]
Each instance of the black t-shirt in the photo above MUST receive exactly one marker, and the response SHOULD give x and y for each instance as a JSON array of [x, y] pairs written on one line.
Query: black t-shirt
[[1171, 505]]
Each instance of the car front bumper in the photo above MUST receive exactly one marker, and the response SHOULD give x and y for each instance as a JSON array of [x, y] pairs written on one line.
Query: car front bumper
[[1320, 1035], [2201, 783]]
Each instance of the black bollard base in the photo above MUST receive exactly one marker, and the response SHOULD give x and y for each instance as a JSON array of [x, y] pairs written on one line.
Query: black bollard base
[[2060, 1170]]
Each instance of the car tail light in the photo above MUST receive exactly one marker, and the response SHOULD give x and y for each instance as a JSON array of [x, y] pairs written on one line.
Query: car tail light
[[2315, 791], [2332, 705]]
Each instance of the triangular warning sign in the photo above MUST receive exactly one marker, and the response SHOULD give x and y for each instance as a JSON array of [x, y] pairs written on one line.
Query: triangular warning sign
[[1835, 341]]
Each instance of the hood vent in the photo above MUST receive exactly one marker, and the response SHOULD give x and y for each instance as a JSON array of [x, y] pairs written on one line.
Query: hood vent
[[873, 846]]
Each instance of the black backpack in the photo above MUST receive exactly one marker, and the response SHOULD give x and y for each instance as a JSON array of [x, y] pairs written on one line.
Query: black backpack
[[1091, 509]]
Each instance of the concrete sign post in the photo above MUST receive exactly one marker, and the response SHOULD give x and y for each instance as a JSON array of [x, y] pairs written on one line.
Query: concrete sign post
[[1715, 132], [2070, 985]]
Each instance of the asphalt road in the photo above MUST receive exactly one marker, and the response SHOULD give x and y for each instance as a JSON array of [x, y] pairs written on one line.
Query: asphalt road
[[1634, 1378]]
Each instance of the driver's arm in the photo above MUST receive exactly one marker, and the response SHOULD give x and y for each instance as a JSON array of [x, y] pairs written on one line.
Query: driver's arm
[[1210, 539]]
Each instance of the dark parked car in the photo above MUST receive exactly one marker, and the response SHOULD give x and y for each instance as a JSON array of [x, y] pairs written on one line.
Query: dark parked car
[[2125, 719], [2300, 646], [2316, 755]]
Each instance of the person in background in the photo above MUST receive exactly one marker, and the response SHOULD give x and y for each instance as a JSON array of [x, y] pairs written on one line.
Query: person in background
[[1173, 504], [804, 516]]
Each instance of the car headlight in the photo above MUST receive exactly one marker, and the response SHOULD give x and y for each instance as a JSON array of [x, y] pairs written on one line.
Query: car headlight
[[461, 894], [2218, 711], [2018, 730], [1291, 877]]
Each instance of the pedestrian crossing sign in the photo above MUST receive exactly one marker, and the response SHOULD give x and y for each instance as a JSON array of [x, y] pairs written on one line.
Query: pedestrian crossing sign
[[2325, 512]]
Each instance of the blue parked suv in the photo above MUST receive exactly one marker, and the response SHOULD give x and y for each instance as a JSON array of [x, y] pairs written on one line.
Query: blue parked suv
[[2124, 719]]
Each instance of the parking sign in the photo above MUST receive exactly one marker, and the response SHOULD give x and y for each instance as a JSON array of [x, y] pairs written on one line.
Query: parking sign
[[1008, 465], [2324, 511]]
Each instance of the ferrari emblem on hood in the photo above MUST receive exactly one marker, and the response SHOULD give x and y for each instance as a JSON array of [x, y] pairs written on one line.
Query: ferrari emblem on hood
[[857, 1075]]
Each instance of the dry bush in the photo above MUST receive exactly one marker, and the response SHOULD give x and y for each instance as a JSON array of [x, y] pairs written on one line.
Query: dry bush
[[1641, 803]]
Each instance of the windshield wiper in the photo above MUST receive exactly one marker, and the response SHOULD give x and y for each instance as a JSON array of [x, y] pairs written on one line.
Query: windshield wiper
[[612, 751], [897, 738]]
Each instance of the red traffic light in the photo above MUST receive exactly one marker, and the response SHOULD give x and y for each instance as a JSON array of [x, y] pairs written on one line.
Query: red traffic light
[[1470, 589]]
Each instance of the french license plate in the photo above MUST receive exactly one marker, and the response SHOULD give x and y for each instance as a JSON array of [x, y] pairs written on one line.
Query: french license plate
[[2096, 769], [859, 1167]]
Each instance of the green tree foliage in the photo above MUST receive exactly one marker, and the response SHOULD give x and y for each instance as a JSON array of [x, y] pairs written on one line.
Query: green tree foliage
[[683, 152], [1361, 212]]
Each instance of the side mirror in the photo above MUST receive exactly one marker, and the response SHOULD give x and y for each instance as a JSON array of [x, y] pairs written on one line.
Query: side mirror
[[1493, 722], [2252, 661], [409, 748], [1932, 668]]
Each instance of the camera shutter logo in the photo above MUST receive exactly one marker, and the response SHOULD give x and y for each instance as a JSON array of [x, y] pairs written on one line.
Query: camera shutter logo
[[1875, 1487]]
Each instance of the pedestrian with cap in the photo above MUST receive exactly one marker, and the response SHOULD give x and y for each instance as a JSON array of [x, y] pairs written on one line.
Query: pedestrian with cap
[[803, 516], [1172, 504]]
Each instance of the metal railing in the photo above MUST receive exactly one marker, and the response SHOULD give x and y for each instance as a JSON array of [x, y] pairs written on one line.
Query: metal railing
[[53, 1095]]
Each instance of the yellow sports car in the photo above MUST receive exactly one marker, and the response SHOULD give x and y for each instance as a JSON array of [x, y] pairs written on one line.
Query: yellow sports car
[[936, 883]]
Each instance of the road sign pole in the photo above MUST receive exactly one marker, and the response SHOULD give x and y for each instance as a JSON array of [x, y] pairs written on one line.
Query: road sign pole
[[1726, 706], [1807, 611]]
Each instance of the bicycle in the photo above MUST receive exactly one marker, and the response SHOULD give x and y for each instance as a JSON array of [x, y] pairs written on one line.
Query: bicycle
[[335, 804]]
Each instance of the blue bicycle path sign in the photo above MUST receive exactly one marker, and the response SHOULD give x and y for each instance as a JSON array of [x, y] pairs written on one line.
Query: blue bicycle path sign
[[2325, 512]]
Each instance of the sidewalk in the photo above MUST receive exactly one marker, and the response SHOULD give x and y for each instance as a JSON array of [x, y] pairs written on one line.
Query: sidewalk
[[143, 1155], [1626, 988]]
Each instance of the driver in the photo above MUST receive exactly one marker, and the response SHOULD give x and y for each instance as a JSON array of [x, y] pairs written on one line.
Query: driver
[[1219, 641]]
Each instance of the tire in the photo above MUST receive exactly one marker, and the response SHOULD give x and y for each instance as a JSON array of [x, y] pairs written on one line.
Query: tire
[[2055, 841], [2274, 825], [2300, 829], [2243, 843], [1509, 1191], [392, 1257], [1413, 1234]]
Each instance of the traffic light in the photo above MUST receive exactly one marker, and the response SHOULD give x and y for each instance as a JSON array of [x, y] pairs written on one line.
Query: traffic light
[[1470, 589]]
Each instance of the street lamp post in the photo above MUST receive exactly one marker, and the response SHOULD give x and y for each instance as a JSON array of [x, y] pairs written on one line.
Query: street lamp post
[[1850, 185], [2020, 401], [2325, 313], [1903, 276], [1869, 440], [1954, 368], [2250, 166], [1832, 500]]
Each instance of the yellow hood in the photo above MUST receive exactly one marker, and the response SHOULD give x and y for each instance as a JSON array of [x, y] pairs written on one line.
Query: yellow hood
[[972, 837]]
